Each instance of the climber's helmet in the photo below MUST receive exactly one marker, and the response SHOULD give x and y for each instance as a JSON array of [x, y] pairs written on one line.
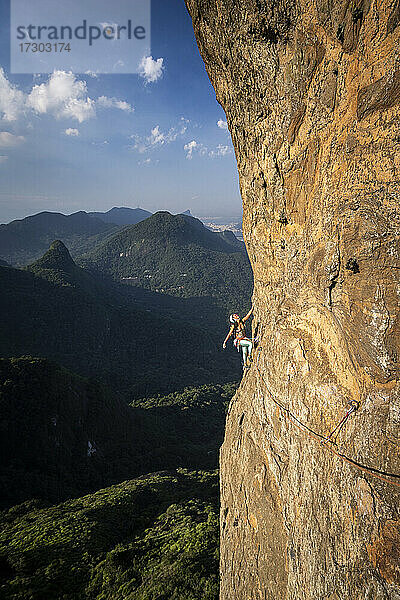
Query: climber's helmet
[[234, 318]]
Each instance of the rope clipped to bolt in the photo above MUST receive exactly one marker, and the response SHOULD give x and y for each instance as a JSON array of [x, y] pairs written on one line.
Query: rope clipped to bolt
[[329, 442], [354, 405]]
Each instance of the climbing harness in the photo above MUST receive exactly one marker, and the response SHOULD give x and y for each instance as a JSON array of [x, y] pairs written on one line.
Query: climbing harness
[[328, 442], [236, 342]]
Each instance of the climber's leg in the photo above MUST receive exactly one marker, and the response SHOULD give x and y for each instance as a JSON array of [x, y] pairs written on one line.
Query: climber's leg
[[243, 346], [247, 347]]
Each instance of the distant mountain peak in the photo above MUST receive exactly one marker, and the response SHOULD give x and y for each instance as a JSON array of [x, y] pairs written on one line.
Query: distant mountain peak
[[122, 215], [57, 257], [123, 208], [23, 241], [166, 224], [187, 212]]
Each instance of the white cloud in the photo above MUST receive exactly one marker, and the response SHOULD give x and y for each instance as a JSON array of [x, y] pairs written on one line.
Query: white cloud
[[197, 147], [9, 140], [108, 24], [12, 100], [92, 74], [111, 30], [106, 102], [189, 148], [223, 150], [157, 138], [72, 132], [151, 70], [62, 96], [222, 124], [147, 162], [3, 158]]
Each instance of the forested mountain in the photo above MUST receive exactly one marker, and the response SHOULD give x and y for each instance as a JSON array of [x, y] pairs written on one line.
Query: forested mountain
[[64, 435], [144, 312], [25, 240], [122, 215], [175, 255], [155, 536], [151, 537], [57, 310]]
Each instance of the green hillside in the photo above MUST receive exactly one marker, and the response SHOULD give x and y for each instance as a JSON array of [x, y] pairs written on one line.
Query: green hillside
[[57, 310], [136, 411], [150, 538], [177, 267], [64, 435], [23, 241], [177, 255]]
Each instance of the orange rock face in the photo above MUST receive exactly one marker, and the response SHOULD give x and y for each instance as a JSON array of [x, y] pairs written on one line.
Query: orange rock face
[[311, 92]]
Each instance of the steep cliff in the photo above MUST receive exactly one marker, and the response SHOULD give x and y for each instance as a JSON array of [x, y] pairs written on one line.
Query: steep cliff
[[311, 91]]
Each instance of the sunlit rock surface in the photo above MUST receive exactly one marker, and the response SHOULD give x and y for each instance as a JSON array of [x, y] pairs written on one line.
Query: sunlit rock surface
[[311, 91]]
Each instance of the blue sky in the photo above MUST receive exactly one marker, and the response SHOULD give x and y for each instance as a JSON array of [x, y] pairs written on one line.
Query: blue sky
[[73, 142]]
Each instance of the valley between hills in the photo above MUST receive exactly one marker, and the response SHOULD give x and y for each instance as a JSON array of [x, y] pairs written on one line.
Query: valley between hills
[[114, 392]]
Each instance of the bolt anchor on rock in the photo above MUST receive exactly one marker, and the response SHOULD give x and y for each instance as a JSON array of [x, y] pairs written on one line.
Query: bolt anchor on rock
[[353, 406]]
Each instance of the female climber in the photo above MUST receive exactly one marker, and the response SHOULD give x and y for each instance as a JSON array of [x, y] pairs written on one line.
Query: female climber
[[238, 329]]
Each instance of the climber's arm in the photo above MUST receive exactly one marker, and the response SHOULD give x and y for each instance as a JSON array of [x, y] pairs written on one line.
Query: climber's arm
[[248, 314], [228, 336]]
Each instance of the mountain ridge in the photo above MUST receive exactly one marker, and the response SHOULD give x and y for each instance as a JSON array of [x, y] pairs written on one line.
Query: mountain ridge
[[25, 240], [65, 435], [177, 255], [57, 257], [95, 327], [122, 215]]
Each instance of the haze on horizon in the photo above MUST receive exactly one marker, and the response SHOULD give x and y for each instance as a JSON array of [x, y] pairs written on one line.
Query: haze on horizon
[[206, 218]]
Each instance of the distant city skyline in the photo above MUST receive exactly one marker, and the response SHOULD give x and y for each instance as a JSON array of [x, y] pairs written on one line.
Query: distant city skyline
[[157, 140]]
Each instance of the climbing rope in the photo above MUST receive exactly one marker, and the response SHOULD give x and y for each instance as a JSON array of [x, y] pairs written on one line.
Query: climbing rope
[[354, 405], [328, 442]]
